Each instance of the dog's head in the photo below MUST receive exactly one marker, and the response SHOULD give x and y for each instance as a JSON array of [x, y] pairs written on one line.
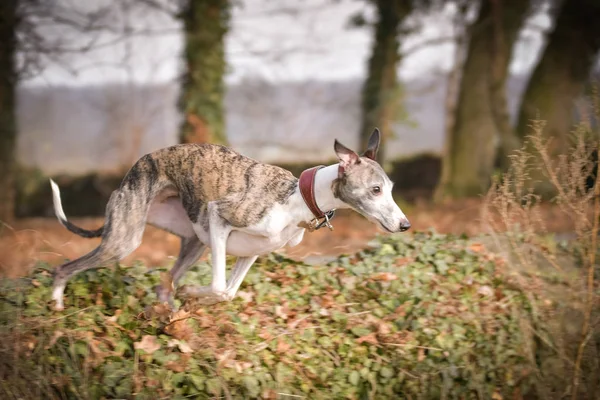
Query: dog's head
[[364, 186]]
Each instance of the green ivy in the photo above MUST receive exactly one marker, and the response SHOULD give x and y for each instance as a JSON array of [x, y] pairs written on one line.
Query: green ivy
[[416, 316]]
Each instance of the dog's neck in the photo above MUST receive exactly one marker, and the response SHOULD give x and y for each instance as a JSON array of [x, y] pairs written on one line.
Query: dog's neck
[[324, 197]]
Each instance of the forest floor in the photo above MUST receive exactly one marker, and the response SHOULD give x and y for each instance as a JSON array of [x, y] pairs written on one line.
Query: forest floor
[[32, 240]]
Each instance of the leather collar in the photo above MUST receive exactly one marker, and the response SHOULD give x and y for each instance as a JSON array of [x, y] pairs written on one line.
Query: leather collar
[[306, 184]]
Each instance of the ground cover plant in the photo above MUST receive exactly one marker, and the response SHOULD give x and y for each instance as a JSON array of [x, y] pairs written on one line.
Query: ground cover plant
[[423, 316]]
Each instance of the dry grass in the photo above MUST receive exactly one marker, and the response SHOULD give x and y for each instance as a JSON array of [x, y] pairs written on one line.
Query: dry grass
[[512, 215]]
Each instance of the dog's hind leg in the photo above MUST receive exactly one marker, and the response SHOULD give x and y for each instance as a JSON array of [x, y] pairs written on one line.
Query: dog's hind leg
[[169, 214], [125, 222], [191, 250], [94, 259]]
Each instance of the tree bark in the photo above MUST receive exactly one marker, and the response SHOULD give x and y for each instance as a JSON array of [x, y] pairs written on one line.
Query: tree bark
[[508, 19], [8, 134], [481, 117], [380, 92], [206, 22], [562, 72]]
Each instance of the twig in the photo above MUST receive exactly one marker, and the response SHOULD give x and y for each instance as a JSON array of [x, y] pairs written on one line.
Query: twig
[[590, 288]]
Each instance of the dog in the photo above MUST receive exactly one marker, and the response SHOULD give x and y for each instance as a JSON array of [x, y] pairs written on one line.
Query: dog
[[213, 197]]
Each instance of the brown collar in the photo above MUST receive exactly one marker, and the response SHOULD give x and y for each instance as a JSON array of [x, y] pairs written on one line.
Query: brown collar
[[306, 184]]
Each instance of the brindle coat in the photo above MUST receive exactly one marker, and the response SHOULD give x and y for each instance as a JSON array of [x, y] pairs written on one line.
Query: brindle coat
[[211, 195]]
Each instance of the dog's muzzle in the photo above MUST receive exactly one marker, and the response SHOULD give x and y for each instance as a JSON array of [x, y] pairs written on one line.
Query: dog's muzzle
[[404, 225]]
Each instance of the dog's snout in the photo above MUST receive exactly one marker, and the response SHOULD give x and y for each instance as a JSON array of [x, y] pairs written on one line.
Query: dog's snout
[[404, 225]]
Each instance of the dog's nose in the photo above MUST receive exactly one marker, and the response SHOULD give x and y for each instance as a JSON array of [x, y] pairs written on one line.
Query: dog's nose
[[404, 225]]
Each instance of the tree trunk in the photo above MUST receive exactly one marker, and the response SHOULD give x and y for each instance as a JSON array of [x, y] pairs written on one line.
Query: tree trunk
[[206, 23], [562, 72], [508, 19], [481, 118], [380, 93], [8, 133]]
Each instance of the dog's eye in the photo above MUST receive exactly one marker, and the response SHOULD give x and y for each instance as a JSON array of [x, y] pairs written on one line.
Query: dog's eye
[[376, 189]]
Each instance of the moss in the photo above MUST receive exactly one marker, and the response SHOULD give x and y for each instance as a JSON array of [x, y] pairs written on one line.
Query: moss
[[206, 22]]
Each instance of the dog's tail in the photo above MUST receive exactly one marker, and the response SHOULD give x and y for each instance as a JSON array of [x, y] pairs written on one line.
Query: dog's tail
[[60, 214]]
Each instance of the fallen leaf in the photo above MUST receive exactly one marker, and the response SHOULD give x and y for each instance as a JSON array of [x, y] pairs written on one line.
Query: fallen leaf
[[497, 396], [246, 296], [148, 343], [370, 338], [485, 290], [384, 277], [183, 346], [282, 346], [477, 247], [265, 335], [304, 290], [282, 312], [400, 262], [179, 365]]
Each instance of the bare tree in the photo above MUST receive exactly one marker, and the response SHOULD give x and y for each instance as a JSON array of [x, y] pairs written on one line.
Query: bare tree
[[481, 118], [561, 74]]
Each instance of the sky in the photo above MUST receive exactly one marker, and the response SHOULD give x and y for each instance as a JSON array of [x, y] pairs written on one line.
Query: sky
[[274, 40]]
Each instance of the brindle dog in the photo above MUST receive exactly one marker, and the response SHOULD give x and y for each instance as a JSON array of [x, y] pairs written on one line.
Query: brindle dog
[[212, 196]]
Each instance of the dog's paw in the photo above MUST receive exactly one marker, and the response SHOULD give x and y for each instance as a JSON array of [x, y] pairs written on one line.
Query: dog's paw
[[58, 306], [164, 295], [191, 292], [200, 295]]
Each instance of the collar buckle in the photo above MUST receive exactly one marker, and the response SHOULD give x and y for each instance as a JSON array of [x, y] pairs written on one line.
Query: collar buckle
[[316, 225]]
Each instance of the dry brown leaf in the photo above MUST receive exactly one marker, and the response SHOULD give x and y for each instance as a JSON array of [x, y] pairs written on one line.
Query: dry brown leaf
[[370, 338], [282, 311], [183, 346], [400, 262], [148, 343], [477, 247], [497, 396], [265, 335], [179, 329], [304, 290], [282, 346], [179, 365], [384, 277], [246, 296]]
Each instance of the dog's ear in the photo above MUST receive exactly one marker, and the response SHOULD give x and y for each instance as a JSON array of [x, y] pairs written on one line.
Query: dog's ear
[[346, 156], [373, 145]]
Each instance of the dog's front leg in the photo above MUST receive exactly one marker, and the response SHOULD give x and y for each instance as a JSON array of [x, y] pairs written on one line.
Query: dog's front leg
[[241, 268], [219, 232]]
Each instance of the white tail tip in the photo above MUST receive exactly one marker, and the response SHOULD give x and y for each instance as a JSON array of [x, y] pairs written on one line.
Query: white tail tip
[[58, 210]]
